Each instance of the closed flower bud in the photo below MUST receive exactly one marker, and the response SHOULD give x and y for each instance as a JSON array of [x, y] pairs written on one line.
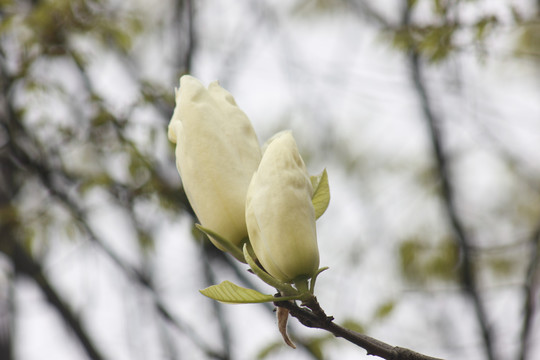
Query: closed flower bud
[[279, 214], [217, 152]]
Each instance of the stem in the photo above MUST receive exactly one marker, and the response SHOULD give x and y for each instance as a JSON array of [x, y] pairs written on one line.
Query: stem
[[301, 285], [314, 317]]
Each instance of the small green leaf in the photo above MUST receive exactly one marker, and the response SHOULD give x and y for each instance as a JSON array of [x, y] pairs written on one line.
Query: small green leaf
[[314, 278], [321, 193], [230, 293], [227, 245]]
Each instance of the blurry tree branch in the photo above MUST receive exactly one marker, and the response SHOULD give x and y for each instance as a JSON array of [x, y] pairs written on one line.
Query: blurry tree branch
[[133, 273], [49, 178], [218, 307], [22, 261], [468, 277], [7, 315], [26, 265], [24, 155], [530, 289], [364, 8], [185, 21], [313, 316]]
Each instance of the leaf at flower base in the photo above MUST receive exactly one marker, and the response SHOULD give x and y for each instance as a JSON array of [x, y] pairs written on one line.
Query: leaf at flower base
[[230, 293], [314, 278], [321, 193]]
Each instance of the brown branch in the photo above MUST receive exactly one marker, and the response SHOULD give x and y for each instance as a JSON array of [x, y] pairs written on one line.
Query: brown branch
[[311, 315]]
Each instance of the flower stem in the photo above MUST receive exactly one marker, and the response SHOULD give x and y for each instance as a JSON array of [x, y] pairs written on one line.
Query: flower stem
[[301, 284]]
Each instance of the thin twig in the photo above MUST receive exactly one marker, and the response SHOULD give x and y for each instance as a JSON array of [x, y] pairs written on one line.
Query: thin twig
[[313, 316]]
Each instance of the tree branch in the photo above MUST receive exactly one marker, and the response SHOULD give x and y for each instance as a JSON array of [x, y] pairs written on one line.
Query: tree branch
[[7, 317], [26, 265], [468, 278], [312, 316], [49, 178], [530, 287], [185, 13], [217, 306]]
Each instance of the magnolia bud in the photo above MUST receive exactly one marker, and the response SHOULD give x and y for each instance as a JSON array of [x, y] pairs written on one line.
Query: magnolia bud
[[279, 214], [217, 152]]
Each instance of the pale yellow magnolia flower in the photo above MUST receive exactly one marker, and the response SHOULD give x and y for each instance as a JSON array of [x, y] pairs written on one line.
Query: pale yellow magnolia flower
[[279, 214], [217, 152]]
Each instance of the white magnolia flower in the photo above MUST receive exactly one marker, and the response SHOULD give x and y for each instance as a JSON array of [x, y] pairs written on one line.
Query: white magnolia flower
[[279, 214], [217, 152]]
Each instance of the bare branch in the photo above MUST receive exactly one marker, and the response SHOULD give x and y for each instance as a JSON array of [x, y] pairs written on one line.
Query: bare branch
[[314, 317]]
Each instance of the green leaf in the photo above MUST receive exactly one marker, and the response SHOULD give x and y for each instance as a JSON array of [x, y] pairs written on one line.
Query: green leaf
[[314, 278], [230, 293], [321, 193], [227, 245]]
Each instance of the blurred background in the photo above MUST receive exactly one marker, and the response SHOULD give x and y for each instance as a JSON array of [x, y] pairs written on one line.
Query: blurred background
[[425, 113]]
